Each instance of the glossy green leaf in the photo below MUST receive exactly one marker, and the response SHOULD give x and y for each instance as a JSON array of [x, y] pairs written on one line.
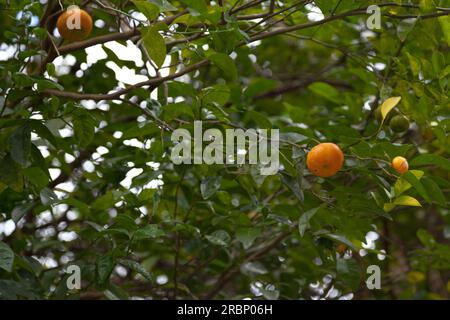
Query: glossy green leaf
[[155, 45], [6, 257]]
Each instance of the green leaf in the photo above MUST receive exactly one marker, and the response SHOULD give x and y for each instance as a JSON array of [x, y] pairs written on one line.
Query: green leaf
[[43, 132], [104, 267], [210, 186], [21, 210], [414, 181], [164, 5], [219, 238], [137, 267], [326, 91], [155, 45], [178, 89], [22, 80], [425, 238], [270, 294], [405, 27], [40, 32], [259, 86], [48, 197], [174, 110], [303, 222], [115, 293], [402, 184], [197, 7], [247, 236], [348, 273], [37, 177], [217, 95], [341, 239], [11, 174], [44, 84], [414, 64], [20, 144], [445, 26], [434, 191], [260, 119], [104, 202], [427, 5], [150, 10], [6, 257], [84, 208], [51, 69], [225, 64], [433, 159], [293, 185], [445, 72], [84, 127], [150, 231], [388, 105]]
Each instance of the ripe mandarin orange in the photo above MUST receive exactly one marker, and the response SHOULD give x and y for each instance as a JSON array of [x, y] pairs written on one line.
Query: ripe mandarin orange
[[400, 165], [325, 159], [74, 24]]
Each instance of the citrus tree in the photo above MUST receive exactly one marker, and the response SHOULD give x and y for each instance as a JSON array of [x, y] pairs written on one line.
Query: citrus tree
[[91, 95]]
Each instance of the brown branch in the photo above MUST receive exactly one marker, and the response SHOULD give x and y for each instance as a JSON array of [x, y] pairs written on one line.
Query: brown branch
[[153, 83], [246, 6], [131, 33], [102, 39], [98, 40], [296, 85], [302, 83], [234, 269], [346, 14], [84, 155]]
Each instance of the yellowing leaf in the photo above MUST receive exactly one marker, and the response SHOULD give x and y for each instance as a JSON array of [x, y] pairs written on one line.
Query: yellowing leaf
[[427, 5], [388, 105], [445, 25], [414, 64], [402, 185], [388, 207], [407, 201], [415, 276]]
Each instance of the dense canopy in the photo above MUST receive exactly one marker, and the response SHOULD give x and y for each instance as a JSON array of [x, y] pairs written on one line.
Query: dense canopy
[[87, 178]]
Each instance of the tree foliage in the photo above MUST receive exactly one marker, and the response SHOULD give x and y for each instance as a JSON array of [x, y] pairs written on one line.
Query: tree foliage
[[86, 176]]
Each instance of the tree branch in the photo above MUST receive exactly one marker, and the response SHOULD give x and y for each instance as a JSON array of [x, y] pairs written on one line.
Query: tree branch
[[153, 83], [233, 269]]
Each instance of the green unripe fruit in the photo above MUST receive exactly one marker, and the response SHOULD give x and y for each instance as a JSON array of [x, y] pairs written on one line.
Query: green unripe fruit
[[399, 124], [378, 116]]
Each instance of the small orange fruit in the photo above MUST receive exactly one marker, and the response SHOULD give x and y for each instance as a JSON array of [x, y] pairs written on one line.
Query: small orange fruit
[[400, 165], [341, 248], [325, 159], [74, 24]]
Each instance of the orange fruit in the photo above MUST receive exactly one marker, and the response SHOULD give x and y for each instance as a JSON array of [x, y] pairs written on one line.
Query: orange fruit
[[341, 248], [74, 24], [325, 160], [400, 165]]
